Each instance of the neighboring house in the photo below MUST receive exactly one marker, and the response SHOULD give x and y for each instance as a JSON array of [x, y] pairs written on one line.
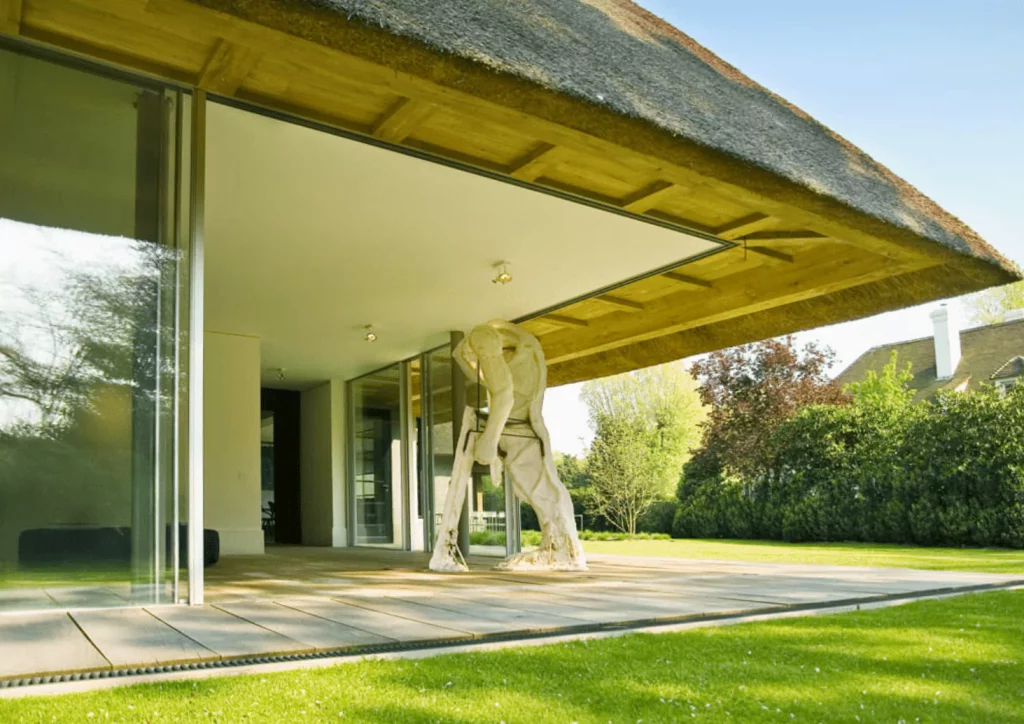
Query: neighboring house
[[200, 199], [950, 359]]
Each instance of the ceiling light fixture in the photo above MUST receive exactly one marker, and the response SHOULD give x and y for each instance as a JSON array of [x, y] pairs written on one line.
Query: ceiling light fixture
[[503, 276], [280, 373], [371, 336]]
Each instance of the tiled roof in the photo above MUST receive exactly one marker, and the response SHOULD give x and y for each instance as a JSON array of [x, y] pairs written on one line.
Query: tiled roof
[[987, 353]]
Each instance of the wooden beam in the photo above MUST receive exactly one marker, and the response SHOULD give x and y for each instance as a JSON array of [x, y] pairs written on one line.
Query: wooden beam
[[771, 254], [10, 16], [820, 272], [785, 236], [897, 292], [539, 161], [689, 281], [648, 197], [563, 321], [227, 67], [742, 227], [399, 121], [626, 305]]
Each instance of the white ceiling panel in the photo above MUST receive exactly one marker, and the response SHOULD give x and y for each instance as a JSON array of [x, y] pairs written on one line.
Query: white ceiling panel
[[310, 236]]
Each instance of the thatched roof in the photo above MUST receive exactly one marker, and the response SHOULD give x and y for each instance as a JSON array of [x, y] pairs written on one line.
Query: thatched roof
[[988, 353], [614, 54]]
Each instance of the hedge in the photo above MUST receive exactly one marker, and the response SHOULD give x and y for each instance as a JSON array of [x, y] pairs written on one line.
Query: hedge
[[946, 472]]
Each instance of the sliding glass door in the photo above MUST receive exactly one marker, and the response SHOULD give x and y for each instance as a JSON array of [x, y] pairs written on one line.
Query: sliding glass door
[[376, 440], [92, 303]]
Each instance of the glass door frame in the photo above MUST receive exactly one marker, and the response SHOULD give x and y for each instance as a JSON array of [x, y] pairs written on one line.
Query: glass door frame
[[417, 467]]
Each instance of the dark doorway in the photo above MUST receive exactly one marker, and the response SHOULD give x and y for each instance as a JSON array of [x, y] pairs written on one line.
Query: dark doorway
[[279, 457]]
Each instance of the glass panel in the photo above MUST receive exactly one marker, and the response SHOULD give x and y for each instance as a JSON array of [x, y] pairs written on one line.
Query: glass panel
[[377, 455], [487, 515], [267, 474], [442, 444], [88, 338]]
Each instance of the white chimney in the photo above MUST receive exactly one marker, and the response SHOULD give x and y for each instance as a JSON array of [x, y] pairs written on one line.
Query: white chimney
[[947, 343]]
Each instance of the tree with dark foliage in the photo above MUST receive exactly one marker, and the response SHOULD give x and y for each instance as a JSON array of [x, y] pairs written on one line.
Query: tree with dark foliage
[[751, 390]]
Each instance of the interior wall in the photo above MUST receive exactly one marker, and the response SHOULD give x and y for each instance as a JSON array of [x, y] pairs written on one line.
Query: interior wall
[[339, 464], [231, 442]]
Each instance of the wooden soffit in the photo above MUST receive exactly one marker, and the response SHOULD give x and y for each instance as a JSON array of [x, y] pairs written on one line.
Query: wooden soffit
[[785, 245]]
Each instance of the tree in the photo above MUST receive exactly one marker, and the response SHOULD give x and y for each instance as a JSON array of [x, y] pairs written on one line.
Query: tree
[[991, 305], [751, 390], [571, 471], [645, 424], [885, 390]]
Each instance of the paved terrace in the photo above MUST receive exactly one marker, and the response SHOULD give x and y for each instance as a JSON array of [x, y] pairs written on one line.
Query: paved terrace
[[302, 602]]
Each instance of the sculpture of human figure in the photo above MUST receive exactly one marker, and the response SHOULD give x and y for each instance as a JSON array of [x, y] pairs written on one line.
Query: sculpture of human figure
[[509, 364]]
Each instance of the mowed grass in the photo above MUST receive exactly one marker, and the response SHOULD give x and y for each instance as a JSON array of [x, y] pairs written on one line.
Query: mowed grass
[[987, 560], [950, 660]]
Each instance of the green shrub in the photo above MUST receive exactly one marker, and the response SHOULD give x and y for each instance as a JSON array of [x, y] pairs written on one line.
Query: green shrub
[[619, 535], [497, 538], [883, 469], [658, 518], [487, 538]]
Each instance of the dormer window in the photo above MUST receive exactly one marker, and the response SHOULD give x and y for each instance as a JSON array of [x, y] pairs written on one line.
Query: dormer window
[[1009, 374]]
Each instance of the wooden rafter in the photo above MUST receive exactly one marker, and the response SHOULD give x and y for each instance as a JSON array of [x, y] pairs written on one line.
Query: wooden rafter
[[536, 163], [648, 197], [758, 289], [563, 321], [399, 121], [771, 254], [10, 16], [686, 280], [626, 305], [742, 227], [227, 67], [785, 236]]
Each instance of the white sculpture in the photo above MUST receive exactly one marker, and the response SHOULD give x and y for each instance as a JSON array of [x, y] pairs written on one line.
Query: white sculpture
[[509, 363]]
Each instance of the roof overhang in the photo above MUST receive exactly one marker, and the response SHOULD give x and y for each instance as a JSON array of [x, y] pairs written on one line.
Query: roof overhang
[[801, 258]]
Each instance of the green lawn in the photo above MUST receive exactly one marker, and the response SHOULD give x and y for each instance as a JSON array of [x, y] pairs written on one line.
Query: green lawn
[[989, 560], [952, 660]]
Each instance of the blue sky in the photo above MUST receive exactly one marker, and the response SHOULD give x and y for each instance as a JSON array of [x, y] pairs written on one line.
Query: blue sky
[[932, 89]]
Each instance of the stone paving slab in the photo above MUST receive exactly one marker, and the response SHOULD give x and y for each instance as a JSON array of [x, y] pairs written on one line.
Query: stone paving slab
[[466, 623], [45, 643], [514, 619], [383, 624], [296, 600], [131, 636], [318, 633], [227, 635]]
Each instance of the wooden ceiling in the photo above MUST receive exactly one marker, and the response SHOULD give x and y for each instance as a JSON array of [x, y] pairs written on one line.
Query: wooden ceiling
[[777, 254]]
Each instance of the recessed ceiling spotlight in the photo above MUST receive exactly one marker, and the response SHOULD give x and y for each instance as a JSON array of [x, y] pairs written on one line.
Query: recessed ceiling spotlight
[[503, 276], [280, 373], [371, 336]]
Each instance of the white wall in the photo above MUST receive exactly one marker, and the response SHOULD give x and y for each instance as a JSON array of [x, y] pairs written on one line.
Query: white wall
[[322, 465], [231, 442], [339, 423]]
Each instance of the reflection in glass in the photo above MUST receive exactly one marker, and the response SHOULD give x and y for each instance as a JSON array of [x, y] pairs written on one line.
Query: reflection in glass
[[377, 455], [441, 445], [88, 311]]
